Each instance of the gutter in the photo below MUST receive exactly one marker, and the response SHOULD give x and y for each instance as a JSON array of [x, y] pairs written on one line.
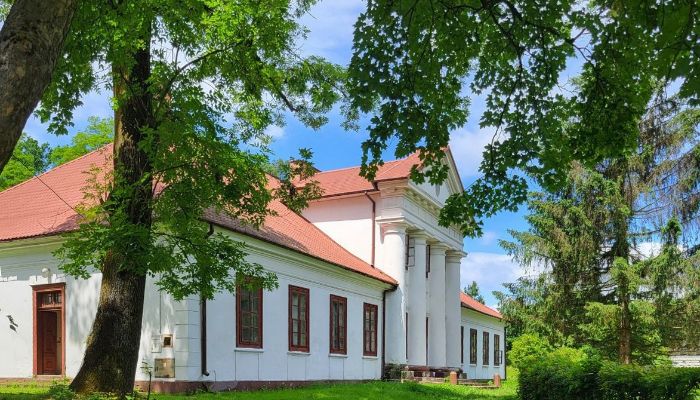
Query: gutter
[[392, 289], [203, 322]]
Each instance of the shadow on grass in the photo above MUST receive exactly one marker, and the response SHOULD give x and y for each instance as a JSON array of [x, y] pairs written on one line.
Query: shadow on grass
[[349, 391]]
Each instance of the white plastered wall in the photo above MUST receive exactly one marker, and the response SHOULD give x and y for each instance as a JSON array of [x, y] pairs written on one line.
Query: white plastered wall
[[482, 323]]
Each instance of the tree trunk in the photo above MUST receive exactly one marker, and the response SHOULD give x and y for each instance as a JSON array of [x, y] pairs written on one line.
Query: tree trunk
[[31, 41], [625, 350], [111, 355]]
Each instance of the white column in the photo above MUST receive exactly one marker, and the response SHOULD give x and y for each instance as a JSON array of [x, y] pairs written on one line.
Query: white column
[[394, 264], [437, 346], [453, 314], [416, 303]]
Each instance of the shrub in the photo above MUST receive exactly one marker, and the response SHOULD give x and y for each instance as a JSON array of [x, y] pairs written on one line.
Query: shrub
[[59, 390], [528, 349], [589, 378]]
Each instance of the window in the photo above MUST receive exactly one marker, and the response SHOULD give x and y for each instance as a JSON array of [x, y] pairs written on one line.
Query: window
[[298, 319], [496, 350], [339, 324], [472, 346], [168, 340], [486, 348], [427, 260], [408, 251], [461, 344], [249, 317], [370, 329]]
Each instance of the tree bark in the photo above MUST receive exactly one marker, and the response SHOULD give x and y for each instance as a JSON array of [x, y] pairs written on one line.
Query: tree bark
[[31, 41], [111, 355]]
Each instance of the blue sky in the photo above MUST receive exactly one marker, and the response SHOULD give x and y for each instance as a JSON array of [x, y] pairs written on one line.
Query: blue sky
[[330, 36]]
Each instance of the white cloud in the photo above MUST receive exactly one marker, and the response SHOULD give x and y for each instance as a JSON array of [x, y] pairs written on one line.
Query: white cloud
[[490, 271], [467, 148], [331, 26], [274, 131]]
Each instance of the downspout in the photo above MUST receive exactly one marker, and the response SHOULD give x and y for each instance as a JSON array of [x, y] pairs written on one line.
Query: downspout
[[392, 289], [505, 351], [374, 218], [203, 322]]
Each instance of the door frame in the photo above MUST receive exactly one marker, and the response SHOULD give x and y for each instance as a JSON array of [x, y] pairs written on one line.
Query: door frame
[[36, 291]]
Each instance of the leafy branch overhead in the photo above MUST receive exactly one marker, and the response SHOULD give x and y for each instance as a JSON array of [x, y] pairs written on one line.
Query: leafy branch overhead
[[416, 63]]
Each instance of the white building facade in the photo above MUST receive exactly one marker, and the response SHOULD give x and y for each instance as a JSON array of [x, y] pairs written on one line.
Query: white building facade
[[367, 280]]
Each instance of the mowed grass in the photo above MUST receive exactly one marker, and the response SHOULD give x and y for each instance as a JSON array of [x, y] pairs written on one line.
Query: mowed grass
[[362, 391]]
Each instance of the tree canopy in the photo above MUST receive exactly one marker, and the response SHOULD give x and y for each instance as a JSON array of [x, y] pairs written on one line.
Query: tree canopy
[[416, 64]]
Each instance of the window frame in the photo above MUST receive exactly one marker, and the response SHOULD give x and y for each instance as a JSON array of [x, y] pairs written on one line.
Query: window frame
[[239, 325], [473, 346], [372, 308], [427, 260], [292, 347], [343, 349], [486, 351], [461, 344], [496, 350]]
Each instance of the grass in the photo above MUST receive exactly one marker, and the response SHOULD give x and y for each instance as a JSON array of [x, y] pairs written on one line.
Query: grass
[[363, 391]]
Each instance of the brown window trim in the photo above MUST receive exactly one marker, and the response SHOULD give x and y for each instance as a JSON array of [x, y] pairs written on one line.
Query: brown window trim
[[461, 344], [343, 349], [473, 349], [239, 326], [427, 261], [372, 308], [496, 350], [299, 290], [37, 290], [486, 355]]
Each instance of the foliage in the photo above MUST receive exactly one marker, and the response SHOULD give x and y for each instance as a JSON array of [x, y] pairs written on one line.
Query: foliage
[[28, 159], [99, 132], [528, 348], [204, 146], [473, 291], [414, 62], [590, 378], [592, 282], [60, 391]]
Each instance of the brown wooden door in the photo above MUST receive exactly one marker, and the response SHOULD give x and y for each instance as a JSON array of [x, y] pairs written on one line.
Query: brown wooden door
[[48, 339]]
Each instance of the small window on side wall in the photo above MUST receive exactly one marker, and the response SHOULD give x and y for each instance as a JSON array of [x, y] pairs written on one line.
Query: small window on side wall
[[298, 319], [486, 348], [472, 346], [249, 317], [496, 350], [339, 325], [369, 328]]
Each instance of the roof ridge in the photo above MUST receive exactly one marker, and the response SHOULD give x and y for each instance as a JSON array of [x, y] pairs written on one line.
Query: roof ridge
[[37, 177], [360, 166]]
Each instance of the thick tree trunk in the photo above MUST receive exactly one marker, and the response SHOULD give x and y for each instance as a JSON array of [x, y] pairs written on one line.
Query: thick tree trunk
[[31, 40], [111, 356]]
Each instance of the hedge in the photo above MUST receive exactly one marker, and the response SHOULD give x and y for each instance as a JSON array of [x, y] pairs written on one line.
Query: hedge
[[592, 379]]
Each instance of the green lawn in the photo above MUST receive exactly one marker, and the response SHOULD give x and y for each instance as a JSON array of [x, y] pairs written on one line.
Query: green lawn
[[364, 391]]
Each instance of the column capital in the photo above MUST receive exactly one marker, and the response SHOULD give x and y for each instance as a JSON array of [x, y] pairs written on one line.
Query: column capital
[[419, 237], [438, 248], [393, 225], [455, 256]]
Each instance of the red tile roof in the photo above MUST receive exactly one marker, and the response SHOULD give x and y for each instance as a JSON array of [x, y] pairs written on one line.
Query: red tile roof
[[43, 206], [469, 302], [348, 180]]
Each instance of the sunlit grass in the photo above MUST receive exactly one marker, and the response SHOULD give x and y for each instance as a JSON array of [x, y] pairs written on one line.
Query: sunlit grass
[[351, 391]]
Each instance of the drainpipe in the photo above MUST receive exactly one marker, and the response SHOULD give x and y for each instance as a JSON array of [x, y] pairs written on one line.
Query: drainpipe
[[505, 349], [203, 323], [374, 217], [392, 289]]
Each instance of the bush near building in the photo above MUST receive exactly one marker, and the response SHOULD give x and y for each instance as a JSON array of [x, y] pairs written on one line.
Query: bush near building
[[591, 378]]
